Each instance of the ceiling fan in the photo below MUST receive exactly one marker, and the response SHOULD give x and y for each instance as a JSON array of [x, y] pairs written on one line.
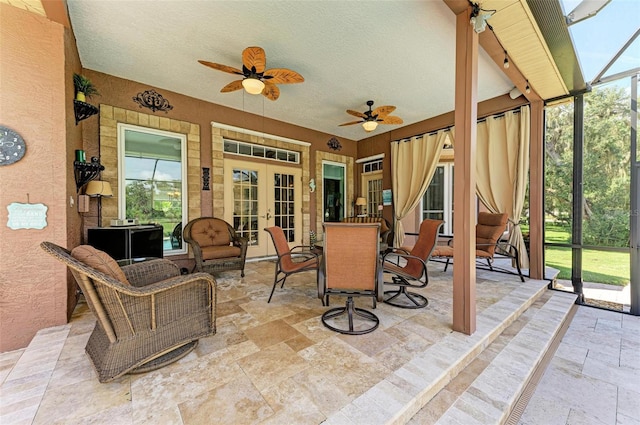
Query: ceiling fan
[[371, 118], [257, 80]]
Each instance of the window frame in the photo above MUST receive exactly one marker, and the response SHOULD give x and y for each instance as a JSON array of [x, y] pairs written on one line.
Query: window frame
[[447, 202], [122, 128]]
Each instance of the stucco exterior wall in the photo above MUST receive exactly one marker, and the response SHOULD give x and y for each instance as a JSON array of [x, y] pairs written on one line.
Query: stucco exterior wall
[[33, 286]]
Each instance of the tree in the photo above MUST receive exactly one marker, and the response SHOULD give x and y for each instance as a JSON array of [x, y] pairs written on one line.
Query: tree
[[606, 178]]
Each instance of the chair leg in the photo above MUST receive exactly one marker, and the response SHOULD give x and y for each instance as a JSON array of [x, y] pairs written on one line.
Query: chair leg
[[416, 300], [350, 310], [275, 283], [446, 264]]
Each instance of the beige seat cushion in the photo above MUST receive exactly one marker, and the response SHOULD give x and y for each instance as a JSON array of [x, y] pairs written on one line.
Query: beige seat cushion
[[100, 261], [215, 252]]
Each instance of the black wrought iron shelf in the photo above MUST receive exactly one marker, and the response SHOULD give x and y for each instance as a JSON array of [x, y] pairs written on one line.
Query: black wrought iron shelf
[[84, 172], [83, 110]]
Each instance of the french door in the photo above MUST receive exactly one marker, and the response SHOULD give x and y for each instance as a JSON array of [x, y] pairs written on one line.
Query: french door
[[263, 195]]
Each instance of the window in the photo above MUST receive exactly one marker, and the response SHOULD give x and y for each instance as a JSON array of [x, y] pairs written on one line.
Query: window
[[372, 187], [437, 203], [152, 176], [372, 166], [260, 151]]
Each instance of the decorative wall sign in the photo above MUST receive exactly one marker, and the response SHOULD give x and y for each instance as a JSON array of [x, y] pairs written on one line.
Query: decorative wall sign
[[152, 100], [386, 197], [12, 146], [27, 216], [334, 144], [205, 178]]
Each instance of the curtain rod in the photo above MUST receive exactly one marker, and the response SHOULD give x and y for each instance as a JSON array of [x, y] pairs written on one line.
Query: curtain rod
[[448, 128]]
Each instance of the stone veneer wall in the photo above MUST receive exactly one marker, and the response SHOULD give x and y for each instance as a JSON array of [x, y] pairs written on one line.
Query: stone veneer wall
[[348, 208], [217, 172], [110, 116]]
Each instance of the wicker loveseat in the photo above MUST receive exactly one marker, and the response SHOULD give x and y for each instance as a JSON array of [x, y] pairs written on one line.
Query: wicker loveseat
[[148, 315], [215, 244], [386, 233]]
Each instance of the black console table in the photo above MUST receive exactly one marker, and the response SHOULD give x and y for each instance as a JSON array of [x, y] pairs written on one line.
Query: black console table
[[128, 242]]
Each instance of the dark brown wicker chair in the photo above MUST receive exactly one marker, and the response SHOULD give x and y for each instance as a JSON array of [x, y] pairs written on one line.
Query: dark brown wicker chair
[[413, 273], [351, 267], [216, 246], [287, 264], [148, 315]]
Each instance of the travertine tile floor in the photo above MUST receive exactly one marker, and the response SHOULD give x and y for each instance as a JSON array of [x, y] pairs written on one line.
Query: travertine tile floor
[[268, 363], [594, 377]]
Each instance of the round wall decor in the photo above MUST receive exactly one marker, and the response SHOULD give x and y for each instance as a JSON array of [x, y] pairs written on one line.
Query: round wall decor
[[12, 147]]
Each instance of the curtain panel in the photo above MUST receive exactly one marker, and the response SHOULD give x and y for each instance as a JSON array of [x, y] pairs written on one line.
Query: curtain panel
[[502, 169], [413, 164]]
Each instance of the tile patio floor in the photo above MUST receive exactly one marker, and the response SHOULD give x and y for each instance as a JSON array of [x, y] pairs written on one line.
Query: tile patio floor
[[268, 363]]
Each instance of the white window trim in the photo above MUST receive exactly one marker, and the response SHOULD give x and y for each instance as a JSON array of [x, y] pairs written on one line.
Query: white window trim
[[370, 158], [258, 133], [122, 175]]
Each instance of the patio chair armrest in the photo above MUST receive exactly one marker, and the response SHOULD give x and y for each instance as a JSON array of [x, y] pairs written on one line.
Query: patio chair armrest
[[401, 253], [146, 272], [183, 297], [505, 248], [307, 255], [197, 251], [240, 241], [397, 254]]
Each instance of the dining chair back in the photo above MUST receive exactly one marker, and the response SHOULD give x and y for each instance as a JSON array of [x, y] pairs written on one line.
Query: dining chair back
[[350, 267]]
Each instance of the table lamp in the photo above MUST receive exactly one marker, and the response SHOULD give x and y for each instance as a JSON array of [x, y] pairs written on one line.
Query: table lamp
[[99, 189], [361, 202]]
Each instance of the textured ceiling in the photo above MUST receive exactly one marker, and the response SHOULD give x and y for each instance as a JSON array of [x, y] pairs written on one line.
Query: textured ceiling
[[34, 6], [396, 53]]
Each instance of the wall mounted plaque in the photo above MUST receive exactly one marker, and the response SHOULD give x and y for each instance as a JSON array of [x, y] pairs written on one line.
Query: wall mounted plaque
[[27, 216]]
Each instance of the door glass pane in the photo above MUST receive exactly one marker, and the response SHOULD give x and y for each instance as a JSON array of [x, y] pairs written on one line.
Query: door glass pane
[[283, 190], [433, 201], [153, 171], [245, 195], [374, 197], [334, 192]]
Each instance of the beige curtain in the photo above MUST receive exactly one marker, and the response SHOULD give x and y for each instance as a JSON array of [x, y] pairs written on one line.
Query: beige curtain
[[413, 164], [502, 169]]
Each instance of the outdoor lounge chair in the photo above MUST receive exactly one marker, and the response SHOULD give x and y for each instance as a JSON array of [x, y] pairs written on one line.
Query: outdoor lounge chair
[[148, 315], [413, 273], [216, 246], [350, 267], [489, 230], [308, 259]]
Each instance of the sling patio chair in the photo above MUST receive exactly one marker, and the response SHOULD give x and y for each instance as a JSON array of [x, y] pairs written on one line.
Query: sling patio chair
[[489, 230], [350, 267], [298, 259], [412, 272]]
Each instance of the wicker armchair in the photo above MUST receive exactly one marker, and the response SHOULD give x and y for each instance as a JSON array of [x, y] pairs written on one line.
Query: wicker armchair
[[148, 315], [215, 244]]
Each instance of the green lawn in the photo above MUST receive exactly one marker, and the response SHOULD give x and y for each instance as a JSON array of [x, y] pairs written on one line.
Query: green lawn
[[597, 266]]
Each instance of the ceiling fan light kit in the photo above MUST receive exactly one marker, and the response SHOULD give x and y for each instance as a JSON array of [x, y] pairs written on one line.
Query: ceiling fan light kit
[[256, 79], [253, 85], [369, 126], [371, 118]]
